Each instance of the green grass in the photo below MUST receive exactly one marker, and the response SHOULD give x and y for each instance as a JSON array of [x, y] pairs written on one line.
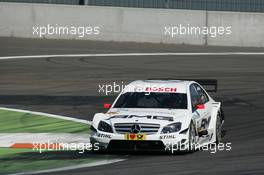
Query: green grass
[[14, 160], [19, 122], [9, 151], [25, 160]]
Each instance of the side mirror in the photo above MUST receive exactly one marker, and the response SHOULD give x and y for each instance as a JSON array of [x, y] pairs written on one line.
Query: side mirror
[[200, 106], [107, 105]]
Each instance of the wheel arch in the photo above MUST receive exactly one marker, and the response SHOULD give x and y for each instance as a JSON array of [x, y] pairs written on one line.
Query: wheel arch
[[216, 108]]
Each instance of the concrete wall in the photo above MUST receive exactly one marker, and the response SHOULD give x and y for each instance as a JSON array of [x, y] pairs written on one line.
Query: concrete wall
[[247, 28], [131, 24]]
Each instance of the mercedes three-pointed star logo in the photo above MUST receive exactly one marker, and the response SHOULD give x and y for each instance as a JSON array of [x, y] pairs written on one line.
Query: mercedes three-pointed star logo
[[135, 129]]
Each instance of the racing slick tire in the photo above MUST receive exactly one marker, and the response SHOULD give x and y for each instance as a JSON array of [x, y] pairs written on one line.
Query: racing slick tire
[[192, 138], [219, 129]]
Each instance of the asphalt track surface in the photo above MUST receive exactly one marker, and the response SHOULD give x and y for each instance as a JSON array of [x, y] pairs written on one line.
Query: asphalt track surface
[[69, 86]]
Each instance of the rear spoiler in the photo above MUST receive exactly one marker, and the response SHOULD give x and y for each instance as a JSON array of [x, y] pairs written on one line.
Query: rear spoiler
[[209, 84]]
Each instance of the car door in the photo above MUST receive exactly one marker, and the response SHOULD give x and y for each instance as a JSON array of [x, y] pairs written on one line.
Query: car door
[[206, 112]]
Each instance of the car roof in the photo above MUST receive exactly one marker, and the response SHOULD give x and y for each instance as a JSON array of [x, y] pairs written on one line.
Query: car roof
[[180, 85]]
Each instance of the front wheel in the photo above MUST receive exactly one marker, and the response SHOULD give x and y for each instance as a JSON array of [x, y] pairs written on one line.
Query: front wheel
[[192, 138], [219, 129]]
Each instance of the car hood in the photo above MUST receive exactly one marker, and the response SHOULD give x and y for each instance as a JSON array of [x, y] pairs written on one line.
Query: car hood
[[154, 116]]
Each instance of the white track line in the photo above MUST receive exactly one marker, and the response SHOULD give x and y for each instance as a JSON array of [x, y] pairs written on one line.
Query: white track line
[[103, 162], [134, 54], [48, 115]]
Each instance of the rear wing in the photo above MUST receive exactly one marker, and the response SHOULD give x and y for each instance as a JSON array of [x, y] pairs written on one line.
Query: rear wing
[[210, 85]]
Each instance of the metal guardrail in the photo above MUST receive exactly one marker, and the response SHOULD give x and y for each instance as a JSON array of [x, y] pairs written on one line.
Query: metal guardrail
[[210, 5]]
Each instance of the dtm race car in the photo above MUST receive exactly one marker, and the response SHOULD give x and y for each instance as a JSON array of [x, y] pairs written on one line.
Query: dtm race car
[[160, 114]]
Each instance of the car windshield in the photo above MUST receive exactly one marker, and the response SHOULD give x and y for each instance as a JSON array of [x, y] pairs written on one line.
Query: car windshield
[[152, 100]]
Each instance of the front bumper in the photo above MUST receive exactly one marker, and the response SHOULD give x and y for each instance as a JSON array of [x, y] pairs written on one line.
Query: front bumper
[[113, 141]]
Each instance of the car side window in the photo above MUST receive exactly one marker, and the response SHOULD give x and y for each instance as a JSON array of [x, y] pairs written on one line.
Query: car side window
[[202, 95], [195, 98]]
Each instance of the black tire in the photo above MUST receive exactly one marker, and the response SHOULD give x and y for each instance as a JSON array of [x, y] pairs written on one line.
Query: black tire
[[219, 129], [192, 135]]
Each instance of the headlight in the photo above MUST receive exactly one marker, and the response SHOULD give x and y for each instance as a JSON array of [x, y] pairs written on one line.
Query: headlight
[[174, 127], [103, 126]]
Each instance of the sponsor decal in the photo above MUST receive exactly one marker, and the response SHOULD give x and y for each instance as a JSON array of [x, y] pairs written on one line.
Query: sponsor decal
[[104, 136], [160, 89], [167, 137], [205, 123], [135, 136]]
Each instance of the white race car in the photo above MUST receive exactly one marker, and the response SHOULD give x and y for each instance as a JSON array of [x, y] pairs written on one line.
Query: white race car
[[160, 114]]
